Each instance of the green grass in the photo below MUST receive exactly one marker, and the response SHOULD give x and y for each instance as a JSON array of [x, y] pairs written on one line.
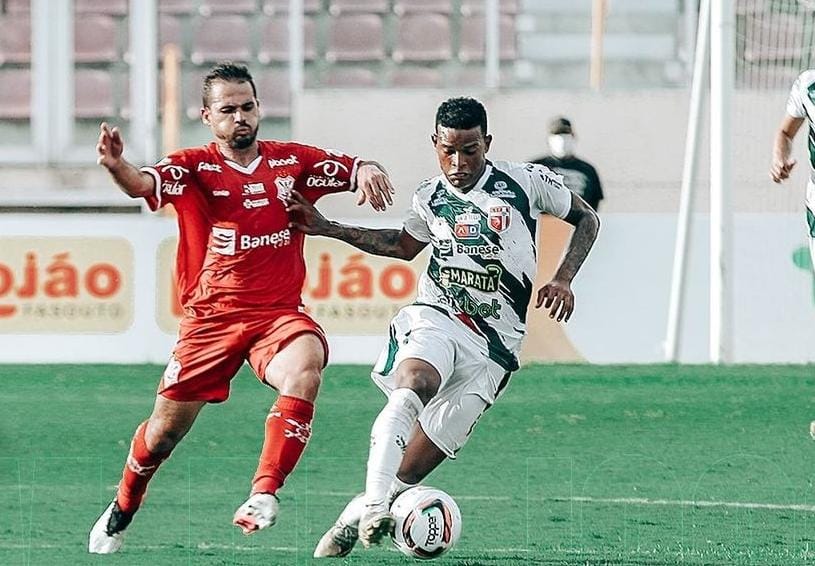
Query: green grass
[[574, 465]]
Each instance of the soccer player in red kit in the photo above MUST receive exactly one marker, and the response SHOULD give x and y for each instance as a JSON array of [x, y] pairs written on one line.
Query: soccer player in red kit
[[240, 272]]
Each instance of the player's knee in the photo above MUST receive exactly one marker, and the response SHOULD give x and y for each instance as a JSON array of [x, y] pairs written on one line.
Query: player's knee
[[161, 436], [424, 383], [303, 383]]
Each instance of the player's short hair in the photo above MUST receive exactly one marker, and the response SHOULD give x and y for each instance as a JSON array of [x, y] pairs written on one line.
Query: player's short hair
[[462, 113], [229, 72]]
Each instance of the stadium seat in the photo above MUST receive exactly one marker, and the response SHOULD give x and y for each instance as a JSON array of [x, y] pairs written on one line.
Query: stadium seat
[[350, 77], [417, 77], [191, 93], [402, 7], [18, 6], [473, 38], [337, 7], [109, 7], [178, 7], [220, 37], [169, 31], [356, 37], [93, 94], [470, 7], [209, 7], [274, 41], [15, 92], [423, 37], [95, 39], [272, 7], [274, 93], [15, 39]]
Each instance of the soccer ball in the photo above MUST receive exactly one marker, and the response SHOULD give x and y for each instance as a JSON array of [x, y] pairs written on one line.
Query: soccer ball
[[428, 522]]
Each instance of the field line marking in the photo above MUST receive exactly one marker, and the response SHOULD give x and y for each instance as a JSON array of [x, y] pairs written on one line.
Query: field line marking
[[684, 503]]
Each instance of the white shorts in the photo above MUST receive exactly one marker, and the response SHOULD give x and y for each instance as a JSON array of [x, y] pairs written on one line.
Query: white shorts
[[470, 380]]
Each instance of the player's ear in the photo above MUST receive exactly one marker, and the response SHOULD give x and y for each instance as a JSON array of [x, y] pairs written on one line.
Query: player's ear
[[487, 142], [434, 139], [205, 115]]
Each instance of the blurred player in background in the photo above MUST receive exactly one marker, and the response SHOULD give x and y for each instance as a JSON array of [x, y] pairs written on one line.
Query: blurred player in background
[[579, 175], [240, 272], [451, 353], [800, 107]]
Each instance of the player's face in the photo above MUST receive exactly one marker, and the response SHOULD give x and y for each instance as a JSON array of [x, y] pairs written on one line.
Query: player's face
[[462, 154], [232, 114]]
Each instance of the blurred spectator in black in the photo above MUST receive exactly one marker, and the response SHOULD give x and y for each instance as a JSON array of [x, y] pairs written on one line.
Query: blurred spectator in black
[[580, 176]]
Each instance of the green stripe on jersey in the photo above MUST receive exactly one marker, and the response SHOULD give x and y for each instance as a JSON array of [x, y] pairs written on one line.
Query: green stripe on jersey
[[811, 222]]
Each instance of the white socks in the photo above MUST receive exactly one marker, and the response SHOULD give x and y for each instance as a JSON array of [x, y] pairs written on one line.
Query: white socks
[[389, 436]]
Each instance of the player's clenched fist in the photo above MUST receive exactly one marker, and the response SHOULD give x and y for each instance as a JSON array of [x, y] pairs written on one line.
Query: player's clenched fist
[[109, 147]]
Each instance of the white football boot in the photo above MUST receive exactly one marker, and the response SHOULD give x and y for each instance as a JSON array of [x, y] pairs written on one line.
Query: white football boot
[[109, 530], [338, 541], [375, 525], [258, 512]]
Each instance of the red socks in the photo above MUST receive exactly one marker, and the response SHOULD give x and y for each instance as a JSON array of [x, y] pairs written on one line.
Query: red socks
[[140, 466], [288, 428]]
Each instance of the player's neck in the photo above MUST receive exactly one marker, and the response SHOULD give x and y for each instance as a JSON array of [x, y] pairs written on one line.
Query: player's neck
[[242, 157]]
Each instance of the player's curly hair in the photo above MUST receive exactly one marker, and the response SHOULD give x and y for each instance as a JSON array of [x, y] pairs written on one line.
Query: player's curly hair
[[226, 71], [462, 113]]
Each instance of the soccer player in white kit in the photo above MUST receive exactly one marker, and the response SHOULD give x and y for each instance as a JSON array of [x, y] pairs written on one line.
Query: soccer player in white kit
[[800, 107], [451, 352]]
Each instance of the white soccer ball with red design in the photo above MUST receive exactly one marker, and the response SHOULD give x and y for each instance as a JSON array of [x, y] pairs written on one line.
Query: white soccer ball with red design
[[428, 522]]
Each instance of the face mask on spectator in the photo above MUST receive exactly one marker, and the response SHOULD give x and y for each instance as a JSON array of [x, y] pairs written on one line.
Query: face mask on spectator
[[561, 145]]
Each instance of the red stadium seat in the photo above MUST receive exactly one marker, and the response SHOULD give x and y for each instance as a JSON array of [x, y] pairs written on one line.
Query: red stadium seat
[[191, 93], [18, 6], [220, 37], [423, 37], [470, 7], [274, 93], [209, 7], [93, 94], [337, 7], [109, 7], [15, 92], [402, 7], [15, 39], [178, 7], [473, 38], [417, 77], [169, 31], [356, 37], [350, 77], [274, 42], [95, 39], [272, 7]]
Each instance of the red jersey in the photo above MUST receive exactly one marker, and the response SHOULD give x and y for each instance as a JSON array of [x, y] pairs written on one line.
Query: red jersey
[[235, 247]]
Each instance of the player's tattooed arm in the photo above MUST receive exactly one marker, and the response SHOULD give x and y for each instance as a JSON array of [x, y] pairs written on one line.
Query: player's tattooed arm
[[557, 296], [387, 242]]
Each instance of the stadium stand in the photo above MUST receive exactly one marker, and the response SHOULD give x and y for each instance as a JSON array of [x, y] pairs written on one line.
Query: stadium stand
[[15, 38], [355, 37], [350, 77], [470, 7], [93, 94], [337, 7], [416, 77], [178, 7], [472, 38], [402, 7], [17, 6], [423, 37], [220, 37], [272, 7], [274, 40], [210, 7], [96, 39], [109, 7], [15, 92]]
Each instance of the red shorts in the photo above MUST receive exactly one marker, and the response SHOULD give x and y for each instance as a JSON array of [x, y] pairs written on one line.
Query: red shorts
[[211, 350]]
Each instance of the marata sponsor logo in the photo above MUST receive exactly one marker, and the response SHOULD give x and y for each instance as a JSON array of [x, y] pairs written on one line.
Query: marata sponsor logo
[[324, 182], [487, 282], [255, 203], [285, 162], [330, 167], [204, 166]]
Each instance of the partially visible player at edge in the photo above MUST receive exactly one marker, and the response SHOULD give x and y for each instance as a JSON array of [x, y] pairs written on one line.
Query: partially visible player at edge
[[800, 107], [451, 353], [240, 272]]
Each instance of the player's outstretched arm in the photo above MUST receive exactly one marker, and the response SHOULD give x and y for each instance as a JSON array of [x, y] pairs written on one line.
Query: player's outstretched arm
[[782, 148], [556, 296], [109, 151], [385, 242], [374, 185]]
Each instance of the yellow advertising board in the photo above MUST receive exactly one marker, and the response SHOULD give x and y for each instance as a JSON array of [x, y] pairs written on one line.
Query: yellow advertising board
[[350, 293], [65, 285]]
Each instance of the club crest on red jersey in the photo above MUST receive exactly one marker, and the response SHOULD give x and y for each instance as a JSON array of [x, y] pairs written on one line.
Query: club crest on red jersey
[[284, 186], [499, 218]]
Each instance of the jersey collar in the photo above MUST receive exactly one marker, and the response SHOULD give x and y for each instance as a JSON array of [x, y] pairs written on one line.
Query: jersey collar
[[478, 185], [249, 169]]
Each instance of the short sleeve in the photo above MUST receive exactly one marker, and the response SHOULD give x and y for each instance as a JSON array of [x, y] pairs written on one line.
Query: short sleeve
[[548, 193], [325, 171], [415, 223], [172, 180], [795, 102]]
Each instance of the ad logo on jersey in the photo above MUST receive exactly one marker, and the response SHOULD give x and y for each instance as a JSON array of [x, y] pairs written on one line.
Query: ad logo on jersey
[[331, 168], [253, 189], [468, 226], [445, 248], [214, 167], [324, 182], [172, 188], [499, 218], [175, 171], [285, 162], [255, 203], [223, 240], [284, 186], [220, 193]]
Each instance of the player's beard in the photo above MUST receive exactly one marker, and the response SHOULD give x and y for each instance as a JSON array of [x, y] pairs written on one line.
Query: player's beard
[[242, 142]]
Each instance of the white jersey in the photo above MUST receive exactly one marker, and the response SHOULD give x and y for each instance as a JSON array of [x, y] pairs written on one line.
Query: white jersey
[[801, 104], [484, 262]]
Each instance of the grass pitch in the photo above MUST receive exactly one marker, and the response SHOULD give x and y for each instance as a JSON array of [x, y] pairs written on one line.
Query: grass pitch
[[575, 465]]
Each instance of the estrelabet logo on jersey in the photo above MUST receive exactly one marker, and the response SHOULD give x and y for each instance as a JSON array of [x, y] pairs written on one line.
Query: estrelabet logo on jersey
[[467, 226], [499, 218], [284, 187]]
